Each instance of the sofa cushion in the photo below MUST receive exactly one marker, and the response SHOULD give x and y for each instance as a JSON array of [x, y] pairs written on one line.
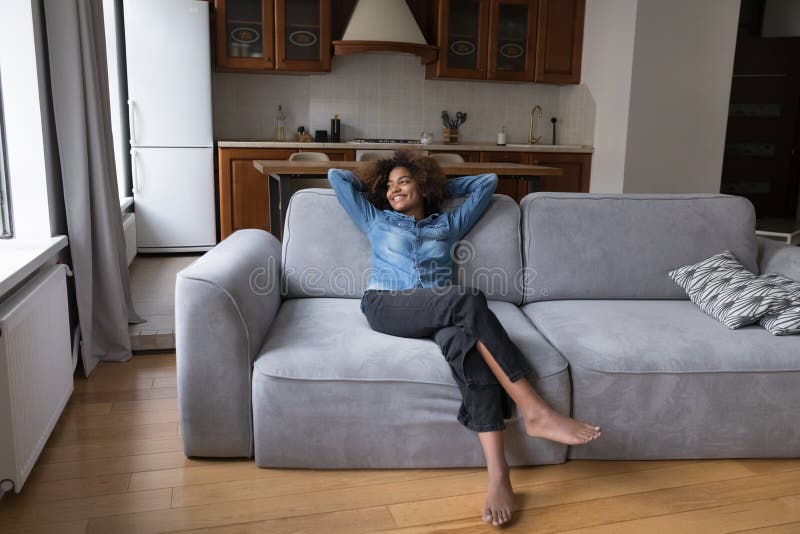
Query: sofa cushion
[[664, 380], [330, 339], [657, 336], [328, 392], [603, 246], [728, 292], [325, 255]]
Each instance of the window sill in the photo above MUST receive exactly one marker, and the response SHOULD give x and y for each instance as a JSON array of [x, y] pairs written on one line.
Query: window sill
[[22, 258]]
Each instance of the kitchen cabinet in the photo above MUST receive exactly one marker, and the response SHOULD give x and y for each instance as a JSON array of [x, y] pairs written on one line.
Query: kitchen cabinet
[[576, 170], [244, 192], [462, 37], [468, 155], [513, 186], [509, 40], [559, 42], [272, 35], [512, 40]]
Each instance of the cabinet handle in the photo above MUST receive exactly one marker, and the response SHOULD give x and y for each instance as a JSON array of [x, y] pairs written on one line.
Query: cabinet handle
[[131, 117], [283, 60], [135, 171]]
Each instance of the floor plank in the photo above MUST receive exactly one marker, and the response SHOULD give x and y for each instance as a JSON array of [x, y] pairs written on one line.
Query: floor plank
[[93, 451], [85, 508], [719, 519], [350, 521], [125, 395], [70, 527]]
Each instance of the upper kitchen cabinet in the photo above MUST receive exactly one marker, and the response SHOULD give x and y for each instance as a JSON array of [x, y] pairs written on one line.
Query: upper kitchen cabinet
[[245, 34], [272, 35], [509, 40], [462, 37], [560, 41], [303, 35], [512, 38]]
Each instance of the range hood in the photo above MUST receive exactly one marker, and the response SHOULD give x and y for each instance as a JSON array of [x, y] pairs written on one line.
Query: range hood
[[385, 26]]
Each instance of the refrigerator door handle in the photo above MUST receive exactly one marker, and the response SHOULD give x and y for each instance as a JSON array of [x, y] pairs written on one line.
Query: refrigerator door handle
[[131, 117], [135, 171]]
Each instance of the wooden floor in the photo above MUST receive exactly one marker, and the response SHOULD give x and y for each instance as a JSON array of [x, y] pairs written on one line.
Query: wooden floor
[[114, 465]]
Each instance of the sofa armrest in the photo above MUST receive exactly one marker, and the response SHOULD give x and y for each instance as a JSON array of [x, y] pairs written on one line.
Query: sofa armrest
[[776, 257], [225, 303]]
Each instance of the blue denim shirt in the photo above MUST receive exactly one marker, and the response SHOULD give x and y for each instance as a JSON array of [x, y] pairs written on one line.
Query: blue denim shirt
[[408, 253]]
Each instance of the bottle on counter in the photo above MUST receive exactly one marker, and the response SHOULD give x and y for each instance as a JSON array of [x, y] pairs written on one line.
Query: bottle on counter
[[280, 125], [501, 137], [336, 129]]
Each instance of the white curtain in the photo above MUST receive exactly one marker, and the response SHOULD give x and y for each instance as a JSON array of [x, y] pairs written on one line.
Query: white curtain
[[82, 130]]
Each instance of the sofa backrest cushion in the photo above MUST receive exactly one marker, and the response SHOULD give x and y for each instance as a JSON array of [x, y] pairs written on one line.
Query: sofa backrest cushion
[[325, 255], [606, 246]]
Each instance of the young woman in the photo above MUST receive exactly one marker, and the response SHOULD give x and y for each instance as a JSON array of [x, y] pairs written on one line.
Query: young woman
[[410, 294]]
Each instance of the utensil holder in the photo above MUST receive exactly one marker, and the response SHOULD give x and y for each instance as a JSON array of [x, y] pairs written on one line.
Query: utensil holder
[[450, 135]]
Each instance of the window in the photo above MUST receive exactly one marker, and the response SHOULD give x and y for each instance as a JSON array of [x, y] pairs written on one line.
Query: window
[[5, 209]]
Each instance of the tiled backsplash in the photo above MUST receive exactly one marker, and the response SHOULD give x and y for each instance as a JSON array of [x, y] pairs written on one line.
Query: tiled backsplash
[[387, 95]]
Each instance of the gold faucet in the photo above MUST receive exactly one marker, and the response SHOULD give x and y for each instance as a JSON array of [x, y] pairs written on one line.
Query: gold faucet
[[531, 139]]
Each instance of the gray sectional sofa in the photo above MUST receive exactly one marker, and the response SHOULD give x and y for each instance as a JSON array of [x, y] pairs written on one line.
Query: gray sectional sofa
[[276, 361]]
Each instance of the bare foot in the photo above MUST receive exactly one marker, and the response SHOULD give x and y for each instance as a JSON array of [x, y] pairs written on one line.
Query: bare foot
[[499, 500], [551, 425]]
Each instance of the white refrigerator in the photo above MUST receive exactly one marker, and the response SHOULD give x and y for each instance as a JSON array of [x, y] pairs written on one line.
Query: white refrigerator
[[169, 111]]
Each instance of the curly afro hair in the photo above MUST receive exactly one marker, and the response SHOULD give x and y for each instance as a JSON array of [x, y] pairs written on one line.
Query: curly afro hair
[[425, 171]]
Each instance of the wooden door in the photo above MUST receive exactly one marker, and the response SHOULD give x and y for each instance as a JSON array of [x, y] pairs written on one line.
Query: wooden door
[[244, 34], [576, 169], [559, 41], [512, 39], [762, 143], [244, 191], [513, 186], [303, 35], [462, 38]]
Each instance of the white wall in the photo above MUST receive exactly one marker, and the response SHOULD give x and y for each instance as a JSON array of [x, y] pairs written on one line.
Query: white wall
[[680, 90], [608, 40]]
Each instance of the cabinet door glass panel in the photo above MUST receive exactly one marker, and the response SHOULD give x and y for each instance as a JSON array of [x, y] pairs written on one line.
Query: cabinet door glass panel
[[244, 28], [463, 32], [512, 33], [302, 26]]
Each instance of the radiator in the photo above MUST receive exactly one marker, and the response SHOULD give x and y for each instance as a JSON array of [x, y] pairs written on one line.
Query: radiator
[[35, 371], [129, 230]]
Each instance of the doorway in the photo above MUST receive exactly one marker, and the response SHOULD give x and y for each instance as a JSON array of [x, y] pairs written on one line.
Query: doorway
[[762, 144]]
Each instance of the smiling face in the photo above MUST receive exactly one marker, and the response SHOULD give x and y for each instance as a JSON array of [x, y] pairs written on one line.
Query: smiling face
[[404, 194]]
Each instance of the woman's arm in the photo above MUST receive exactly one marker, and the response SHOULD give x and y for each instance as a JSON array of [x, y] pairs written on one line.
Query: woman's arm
[[480, 189], [351, 194]]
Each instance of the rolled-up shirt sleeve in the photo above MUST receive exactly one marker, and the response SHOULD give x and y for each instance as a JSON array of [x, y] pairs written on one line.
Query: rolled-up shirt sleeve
[[479, 190], [352, 196]]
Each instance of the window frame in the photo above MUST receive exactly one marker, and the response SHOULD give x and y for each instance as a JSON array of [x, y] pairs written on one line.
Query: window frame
[[6, 219]]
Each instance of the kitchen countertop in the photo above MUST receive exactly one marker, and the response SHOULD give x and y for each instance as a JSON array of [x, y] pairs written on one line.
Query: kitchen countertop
[[488, 147]]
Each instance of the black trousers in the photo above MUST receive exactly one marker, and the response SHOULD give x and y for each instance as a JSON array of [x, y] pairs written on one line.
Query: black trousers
[[455, 317]]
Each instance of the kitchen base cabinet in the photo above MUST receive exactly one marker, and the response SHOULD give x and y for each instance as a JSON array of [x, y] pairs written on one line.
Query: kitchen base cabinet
[[576, 170], [470, 156], [513, 186], [244, 192]]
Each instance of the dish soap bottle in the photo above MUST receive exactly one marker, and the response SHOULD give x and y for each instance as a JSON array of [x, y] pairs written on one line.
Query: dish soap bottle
[[501, 137], [280, 125]]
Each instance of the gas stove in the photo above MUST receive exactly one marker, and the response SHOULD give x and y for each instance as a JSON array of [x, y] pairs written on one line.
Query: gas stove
[[399, 141]]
